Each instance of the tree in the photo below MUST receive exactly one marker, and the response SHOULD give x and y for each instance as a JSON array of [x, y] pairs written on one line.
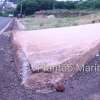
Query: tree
[[46, 4], [28, 7], [97, 3]]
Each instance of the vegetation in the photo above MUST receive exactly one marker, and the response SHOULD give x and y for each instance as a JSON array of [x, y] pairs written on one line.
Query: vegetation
[[30, 6], [4, 14], [33, 23]]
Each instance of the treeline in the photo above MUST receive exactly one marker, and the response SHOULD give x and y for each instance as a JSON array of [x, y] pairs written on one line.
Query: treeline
[[28, 7]]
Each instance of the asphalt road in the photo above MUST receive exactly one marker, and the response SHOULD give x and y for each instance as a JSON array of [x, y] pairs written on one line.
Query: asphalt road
[[82, 86], [4, 21]]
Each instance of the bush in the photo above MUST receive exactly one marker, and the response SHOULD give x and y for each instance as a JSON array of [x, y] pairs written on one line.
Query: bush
[[0, 13], [4, 14]]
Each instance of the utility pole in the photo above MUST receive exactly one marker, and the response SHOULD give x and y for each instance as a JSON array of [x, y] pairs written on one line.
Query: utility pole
[[53, 5], [21, 8]]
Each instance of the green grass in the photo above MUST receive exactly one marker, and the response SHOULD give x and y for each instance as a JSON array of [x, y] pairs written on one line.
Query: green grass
[[41, 23], [33, 23]]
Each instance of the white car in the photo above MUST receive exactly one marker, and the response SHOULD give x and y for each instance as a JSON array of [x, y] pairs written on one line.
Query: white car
[[10, 15]]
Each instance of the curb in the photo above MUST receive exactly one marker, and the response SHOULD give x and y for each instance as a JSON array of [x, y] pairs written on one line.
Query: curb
[[18, 25]]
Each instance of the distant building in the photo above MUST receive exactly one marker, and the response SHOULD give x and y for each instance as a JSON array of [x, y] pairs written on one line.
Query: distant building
[[14, 1], [11, 5], [8, 3]]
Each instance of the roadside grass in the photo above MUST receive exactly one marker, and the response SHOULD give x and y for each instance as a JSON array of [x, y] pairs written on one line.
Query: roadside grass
[[33, 23], [41, 23]]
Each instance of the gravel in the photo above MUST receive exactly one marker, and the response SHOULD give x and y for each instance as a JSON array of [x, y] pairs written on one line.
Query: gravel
[[82, 86]]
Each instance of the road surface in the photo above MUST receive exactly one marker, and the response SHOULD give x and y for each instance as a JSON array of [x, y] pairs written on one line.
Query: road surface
[[3, 22], [83, 85]]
